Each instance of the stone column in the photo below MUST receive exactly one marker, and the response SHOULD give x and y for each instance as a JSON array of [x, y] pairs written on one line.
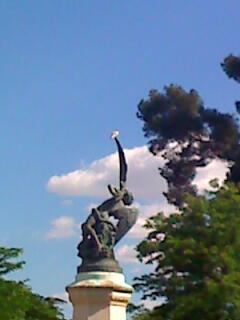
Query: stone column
[[99, 296]]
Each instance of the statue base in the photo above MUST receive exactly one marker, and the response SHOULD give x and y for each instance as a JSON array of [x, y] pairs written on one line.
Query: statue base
[[102, 264], [99, 296]]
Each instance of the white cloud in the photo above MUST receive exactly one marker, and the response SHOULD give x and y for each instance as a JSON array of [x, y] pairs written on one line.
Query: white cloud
[[145, 212], [150, 304], [126, 254], [215, 169], [63, 227], [143, 178]]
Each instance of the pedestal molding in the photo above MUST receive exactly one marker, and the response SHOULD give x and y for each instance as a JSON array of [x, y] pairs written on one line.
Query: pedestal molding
[[99, 296]]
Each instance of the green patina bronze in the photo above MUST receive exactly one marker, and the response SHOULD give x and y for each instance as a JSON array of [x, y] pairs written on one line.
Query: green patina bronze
[[100, 233]]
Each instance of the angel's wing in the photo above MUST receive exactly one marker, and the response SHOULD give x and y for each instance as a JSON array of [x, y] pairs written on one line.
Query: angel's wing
[[122, 164]]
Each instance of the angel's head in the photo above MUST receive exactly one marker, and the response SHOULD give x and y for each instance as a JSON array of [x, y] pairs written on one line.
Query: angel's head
[[127, 198]]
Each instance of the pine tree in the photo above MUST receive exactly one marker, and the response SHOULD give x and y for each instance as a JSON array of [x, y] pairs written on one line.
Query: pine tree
[[189, 135], [231, 65]]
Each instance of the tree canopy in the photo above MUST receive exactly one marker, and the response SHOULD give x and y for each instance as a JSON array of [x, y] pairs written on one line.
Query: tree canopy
[[189, 135], [195, 254], [194, 251], [231, 65], [17, 301]]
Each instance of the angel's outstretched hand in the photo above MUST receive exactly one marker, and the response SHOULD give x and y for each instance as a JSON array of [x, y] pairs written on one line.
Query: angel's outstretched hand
[[117, 193]]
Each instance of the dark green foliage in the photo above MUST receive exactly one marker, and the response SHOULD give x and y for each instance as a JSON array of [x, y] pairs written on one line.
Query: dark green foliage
[[43, 308], [196, 259], [7, 254], [175, 112], [137, 311], [17, 301], [231, 65], [189, 135]]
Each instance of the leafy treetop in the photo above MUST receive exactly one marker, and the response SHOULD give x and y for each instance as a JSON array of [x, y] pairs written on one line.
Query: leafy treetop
[[196, 259], [17, 301]]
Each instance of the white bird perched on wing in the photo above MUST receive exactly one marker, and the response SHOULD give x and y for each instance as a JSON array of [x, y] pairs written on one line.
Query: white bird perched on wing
[[114, 134]]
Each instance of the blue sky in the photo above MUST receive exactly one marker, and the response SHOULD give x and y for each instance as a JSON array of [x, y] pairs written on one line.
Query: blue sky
[[73, 71]]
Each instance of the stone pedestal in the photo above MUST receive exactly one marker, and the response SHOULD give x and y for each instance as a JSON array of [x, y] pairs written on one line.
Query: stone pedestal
[[99, 296]]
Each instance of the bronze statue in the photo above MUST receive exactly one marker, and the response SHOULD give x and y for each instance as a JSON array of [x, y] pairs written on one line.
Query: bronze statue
[[100, 232]]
